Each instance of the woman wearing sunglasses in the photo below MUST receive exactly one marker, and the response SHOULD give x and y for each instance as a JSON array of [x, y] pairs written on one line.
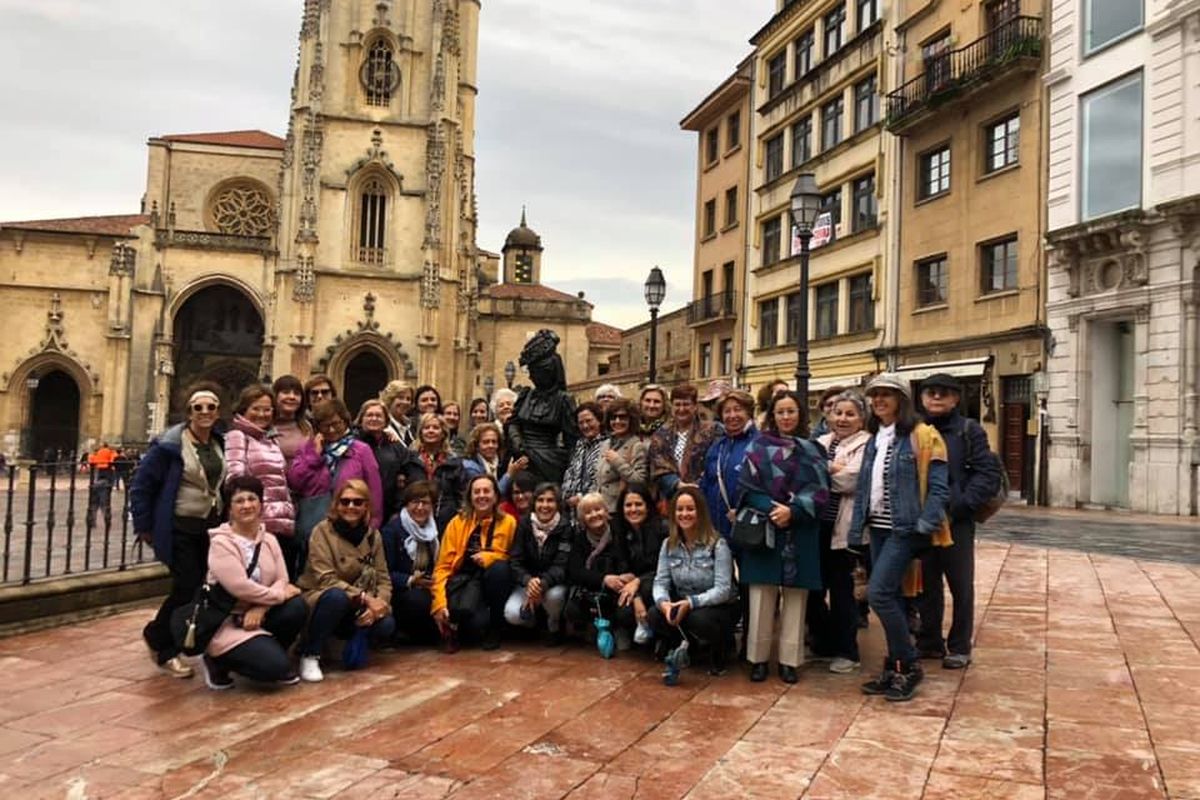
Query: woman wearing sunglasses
[[175, 500], [345, 583]]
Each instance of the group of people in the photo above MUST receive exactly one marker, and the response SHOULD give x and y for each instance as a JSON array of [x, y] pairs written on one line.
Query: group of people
[[668, 522]]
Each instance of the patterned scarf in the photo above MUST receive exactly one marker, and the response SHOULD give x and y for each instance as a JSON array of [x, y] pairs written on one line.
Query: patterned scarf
[[598, 543], [788, 469], [333, 452]]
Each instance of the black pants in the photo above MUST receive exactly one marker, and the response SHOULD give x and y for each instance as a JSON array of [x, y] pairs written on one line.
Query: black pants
[[710, 626], [957, 564], [411, 609], [832, 613], [188, 568], [624, 617], [265, 658], [477, 610], [336, 615], [291, 556]]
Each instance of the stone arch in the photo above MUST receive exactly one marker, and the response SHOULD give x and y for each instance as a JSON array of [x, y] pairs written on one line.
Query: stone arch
[[379, 72], [240, 206], [22, 413], [370, 217], [363, 374], [181, 297]]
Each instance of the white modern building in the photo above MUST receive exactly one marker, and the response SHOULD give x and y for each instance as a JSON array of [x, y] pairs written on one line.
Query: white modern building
[[1123, 197]]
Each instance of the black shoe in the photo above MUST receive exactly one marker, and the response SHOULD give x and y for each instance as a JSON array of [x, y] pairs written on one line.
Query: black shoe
[[758, 672], [788, 674], [880, 684], [904, 682], [933, 653], [491, 640], [217, 678]]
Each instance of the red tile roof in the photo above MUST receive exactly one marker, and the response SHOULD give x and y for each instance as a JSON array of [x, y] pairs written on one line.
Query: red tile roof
[[260, 140], [117, 225], [599, 333], [529, 291]]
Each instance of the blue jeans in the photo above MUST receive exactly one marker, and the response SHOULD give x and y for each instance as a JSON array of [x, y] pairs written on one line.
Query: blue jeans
[[891, 554], [334, 614]]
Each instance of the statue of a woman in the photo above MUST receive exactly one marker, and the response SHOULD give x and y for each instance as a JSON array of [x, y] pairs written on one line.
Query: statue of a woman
[[542, 426]]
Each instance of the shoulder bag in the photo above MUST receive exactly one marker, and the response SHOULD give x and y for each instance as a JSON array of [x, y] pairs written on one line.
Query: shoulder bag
[[195, 624]]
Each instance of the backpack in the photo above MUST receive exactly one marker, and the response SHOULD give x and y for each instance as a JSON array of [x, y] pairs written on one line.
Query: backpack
[[996, 501]]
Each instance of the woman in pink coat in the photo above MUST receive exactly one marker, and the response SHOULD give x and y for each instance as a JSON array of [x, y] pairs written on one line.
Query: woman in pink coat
[[269, 613], [333, 457]]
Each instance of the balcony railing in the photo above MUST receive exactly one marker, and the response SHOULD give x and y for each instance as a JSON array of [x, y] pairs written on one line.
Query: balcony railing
[[712, 307], [951, 74]]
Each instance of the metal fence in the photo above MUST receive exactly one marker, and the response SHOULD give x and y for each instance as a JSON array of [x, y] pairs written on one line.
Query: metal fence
[[62, 519]]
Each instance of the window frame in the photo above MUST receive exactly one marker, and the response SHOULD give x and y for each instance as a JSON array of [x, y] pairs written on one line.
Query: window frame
[[822, 295], [380, 92], [731, 207], [856, 195], [726, 356], [791, 317], [873, 97], [857, 294], [374, 196], [776, 74], [924, 158], [772, 230], [989, 141], [840, 103], [838, 12], [712, 146], [773, 158], [804, 124], [705, 359], [859, 5], [808, 38], [1115, 85], [1085, 17], [835, 210], [733, 130], [943, 285], [1012, 258], [765, 340], [709, 218]]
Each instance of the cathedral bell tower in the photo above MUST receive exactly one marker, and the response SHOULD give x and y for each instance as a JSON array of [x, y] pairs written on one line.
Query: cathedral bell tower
[[377, 194]]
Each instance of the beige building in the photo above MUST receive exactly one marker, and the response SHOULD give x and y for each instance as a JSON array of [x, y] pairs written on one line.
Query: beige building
[[819, 68], [628, 365], [721, 123], [970, 200], [347, 247]]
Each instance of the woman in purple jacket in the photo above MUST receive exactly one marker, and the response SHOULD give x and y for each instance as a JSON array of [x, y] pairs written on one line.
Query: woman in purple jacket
[[333, 457]]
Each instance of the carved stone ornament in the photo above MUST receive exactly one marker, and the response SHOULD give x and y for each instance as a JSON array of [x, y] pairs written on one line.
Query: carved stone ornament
[[55, 341], [376, 156], [243, 210], [367, 331], [435, 168], [304, 288], [431, 289], [124, 259], [1103, 258]]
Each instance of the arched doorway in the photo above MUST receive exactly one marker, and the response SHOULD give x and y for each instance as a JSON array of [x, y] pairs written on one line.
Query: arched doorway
[[54, 416], [218, 336], [366, 375]]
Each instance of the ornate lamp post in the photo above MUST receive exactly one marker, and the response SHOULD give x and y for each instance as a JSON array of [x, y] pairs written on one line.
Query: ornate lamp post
[[489, 385], [806, 206], [510, 372], [656, 292]]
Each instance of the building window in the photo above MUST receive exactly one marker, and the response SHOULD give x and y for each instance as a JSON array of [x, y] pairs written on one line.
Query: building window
[[804, 53], [831, 204], [710, 217], [935, 55], [868, 12], [372, 222], [932, 277], [791, 321], [835, 21], [731, 207], [523, 268], [712, 146], [801, 141], [774, 166], [727, 356], [1106, 21], [243, 209], [831, 123], [827, 310], [866, 208], [727, 277], [934, 170], [1112, 147], [866, 104], [862, 305], [380, 75], [776, 74], [998, 268], [705, 359], [772, 234], [1003, 143], [768, 322], [733, 130]]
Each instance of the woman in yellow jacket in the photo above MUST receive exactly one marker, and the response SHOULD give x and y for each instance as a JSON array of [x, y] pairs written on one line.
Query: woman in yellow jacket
[[472, 580]]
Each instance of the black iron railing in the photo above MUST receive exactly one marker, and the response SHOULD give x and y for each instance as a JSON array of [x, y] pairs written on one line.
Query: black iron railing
[[714, 306], [61, 519], [950, 73]]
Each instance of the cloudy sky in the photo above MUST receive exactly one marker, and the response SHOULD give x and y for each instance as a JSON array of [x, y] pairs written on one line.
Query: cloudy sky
[[578, 115]]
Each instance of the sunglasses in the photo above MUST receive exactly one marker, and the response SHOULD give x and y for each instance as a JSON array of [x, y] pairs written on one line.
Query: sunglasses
[[616, 417], [937, 391], [351, 502], [201, 408], [320, 392]]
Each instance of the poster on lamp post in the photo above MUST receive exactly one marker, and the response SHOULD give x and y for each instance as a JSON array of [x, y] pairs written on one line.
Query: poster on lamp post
[[822, 234]]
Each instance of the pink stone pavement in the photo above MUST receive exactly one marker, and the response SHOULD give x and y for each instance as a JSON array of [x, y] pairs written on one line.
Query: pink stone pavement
[[1086, 684]]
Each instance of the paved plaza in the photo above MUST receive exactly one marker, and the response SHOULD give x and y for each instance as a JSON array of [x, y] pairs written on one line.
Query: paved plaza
[[1083, 686]]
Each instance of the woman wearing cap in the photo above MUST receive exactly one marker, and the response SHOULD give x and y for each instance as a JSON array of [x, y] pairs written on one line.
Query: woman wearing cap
[[835, 627], [785, 479], [622, 458], [175, 500], [901, 500]]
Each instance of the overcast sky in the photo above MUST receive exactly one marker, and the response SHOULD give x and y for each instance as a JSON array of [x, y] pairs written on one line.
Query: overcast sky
[[578, 116]]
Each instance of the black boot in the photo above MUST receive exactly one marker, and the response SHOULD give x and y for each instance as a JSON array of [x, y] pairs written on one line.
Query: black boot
[[883, 682], [758, 672], [904, 682], [788, 674]]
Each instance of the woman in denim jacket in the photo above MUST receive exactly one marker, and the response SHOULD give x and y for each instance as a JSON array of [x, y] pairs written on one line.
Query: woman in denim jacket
[[902, 495]]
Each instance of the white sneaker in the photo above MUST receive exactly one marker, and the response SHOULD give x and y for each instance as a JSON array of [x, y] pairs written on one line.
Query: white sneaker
[[843, 666], [643, 633], [310, 669]]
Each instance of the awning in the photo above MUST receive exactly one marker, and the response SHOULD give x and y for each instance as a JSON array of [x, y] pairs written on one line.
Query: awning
[[966, 368], [821, 384]]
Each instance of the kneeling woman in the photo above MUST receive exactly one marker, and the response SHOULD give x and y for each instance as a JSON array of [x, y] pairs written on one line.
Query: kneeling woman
[[411, 543], [539, 563], [248, 563], [345, 581], [472, 579], [596, 572], [694, 592]]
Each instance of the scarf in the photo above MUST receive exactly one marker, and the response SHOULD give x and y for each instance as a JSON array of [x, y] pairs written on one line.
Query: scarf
[[354, 534], [333, 452], [598, 545], [789, 470], [542, 532], [431, 462], [489, 467], [649, 427], [426, 534]]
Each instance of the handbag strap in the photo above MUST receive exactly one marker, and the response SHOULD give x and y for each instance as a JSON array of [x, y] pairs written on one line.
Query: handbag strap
[[721, 475], [254, 560]]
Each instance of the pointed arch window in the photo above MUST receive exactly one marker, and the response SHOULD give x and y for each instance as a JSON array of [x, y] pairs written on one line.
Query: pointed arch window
[[380, 74], [372, 222]]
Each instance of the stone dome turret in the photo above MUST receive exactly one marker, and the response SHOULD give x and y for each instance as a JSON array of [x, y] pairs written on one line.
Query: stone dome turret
[[523, 236]]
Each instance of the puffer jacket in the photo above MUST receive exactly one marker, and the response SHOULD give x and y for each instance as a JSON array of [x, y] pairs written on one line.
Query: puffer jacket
[[250, 450]]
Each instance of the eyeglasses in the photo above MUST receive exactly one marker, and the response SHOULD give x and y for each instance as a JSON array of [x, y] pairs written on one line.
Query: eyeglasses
[[420, 501], [320, 392], [616, 417], [351, 502], [937, 391], [204, 408]]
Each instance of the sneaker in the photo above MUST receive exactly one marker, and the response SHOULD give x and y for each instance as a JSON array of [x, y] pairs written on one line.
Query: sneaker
[[215, 677], [904, 682], [843, 666], [880, 684], [956, 661], [643, 634], [291, 679], [676, 661], [310, 669], [177, 667]]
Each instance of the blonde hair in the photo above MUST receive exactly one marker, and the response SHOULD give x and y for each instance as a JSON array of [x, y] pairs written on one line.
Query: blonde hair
[[366, 406], [706, 533], [393, 390], [425, 419], [477, 433], [354, 485], [587, 501]]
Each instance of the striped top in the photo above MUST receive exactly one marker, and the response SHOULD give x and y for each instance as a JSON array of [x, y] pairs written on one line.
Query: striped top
[[880, 515], [829, 513]]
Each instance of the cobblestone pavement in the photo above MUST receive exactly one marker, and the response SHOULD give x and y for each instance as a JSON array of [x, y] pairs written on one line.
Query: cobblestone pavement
[[1083, 686]]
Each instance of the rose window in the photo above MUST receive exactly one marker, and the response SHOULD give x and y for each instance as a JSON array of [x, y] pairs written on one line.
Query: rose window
[[242, 211]]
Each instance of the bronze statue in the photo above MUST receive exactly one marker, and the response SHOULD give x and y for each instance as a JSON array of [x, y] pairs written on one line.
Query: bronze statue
[[542, 426]]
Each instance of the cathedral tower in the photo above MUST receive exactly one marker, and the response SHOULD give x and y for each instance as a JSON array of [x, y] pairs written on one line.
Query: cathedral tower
[[377, 207]]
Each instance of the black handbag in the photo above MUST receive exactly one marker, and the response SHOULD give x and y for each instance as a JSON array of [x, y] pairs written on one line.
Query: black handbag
[[750, 528], [194, 624]]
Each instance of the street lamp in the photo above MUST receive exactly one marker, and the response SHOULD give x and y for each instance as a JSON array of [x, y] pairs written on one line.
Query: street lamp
[[489, 384], [656, 291], [510, 372], [806, 205], [31, 384]]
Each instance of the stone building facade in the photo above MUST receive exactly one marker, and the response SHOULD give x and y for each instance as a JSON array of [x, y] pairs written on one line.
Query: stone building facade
[[1123, 239]]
